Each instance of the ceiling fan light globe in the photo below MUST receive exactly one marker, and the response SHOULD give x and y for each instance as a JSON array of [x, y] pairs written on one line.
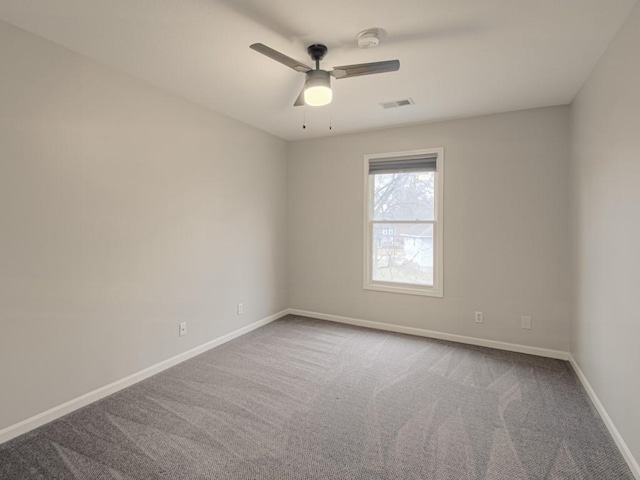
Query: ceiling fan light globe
[[317, 88], [318, 96]]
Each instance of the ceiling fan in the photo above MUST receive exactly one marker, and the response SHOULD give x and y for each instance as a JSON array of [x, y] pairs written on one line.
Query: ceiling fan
[[317, 87]]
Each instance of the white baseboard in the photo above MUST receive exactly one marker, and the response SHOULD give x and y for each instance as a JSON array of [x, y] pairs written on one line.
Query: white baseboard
[[511, 347], [40, 419], [622, 446]]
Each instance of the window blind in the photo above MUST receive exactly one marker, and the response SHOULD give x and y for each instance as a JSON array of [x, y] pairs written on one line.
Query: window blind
[[418, 163]]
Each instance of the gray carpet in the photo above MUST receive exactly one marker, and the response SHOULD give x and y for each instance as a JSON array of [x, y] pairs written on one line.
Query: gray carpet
[[308, 399]]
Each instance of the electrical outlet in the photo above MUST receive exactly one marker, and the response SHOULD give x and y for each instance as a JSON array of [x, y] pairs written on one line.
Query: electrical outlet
[[479, 318], [183, 329], [240, 309], [525, 322]]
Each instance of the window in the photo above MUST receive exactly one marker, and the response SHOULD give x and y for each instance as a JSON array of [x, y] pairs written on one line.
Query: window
[[403, 222]]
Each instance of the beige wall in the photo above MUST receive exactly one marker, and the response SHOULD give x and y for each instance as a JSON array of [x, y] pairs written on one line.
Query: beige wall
[[123, 211], [505, 227], [606, 211]]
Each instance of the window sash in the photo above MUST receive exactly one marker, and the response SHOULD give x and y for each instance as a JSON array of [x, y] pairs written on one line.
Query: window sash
[[370, 253], [403, 221], [370, 184]]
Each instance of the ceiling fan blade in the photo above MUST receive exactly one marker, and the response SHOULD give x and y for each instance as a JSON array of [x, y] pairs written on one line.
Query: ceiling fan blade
[[348, 71], [300, 100], [280, 57]]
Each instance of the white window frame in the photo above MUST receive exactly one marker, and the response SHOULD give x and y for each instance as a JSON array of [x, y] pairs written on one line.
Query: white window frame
[[437, 290]]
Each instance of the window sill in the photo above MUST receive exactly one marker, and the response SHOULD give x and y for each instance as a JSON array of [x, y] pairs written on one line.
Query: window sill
[[404, 289]]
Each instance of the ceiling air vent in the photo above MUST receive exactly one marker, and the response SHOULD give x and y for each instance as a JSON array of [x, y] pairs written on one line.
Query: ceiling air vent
[[397, 103]]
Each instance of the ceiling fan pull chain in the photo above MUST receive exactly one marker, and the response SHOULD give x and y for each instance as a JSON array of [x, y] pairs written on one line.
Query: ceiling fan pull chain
[[304, 117], [330, 119]]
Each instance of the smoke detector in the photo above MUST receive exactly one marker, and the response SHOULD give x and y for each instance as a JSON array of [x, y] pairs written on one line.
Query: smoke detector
[[369, 38]]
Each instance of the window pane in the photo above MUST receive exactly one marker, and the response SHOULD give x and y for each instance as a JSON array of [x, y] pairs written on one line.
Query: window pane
[[403, 256], [404, 196]]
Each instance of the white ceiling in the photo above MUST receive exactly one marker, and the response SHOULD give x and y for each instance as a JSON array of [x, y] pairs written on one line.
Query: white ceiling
[[458, 58]]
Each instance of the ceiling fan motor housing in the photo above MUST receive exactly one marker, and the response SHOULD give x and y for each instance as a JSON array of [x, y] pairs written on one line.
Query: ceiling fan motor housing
[[317, 51]]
